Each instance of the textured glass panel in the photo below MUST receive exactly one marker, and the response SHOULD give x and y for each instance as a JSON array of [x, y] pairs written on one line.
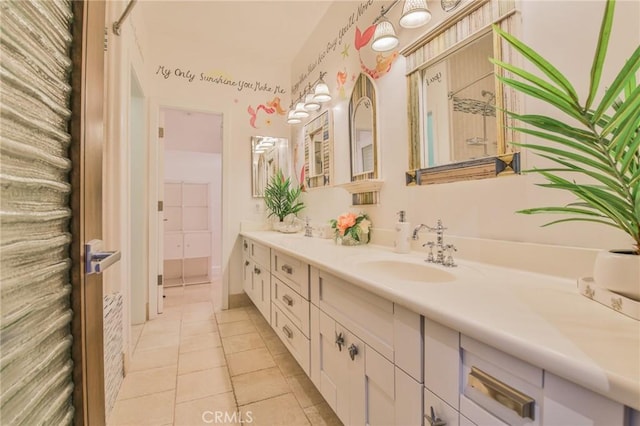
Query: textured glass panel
[[35, 339]]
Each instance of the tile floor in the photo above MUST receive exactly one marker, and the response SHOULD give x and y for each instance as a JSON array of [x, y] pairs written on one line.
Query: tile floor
[[194, 367]]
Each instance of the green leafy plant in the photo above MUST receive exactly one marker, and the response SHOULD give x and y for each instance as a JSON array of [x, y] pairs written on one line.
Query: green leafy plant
[[281, 197], [600, 141]]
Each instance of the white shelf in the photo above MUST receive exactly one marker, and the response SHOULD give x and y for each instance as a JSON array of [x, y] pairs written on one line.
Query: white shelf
[[362, 186]]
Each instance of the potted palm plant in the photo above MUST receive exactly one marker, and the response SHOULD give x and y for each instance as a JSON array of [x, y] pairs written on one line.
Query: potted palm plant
[[283, 199], [599, 144]]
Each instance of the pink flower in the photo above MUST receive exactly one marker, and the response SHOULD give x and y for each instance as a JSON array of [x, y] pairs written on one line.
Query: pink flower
[[345, 222]]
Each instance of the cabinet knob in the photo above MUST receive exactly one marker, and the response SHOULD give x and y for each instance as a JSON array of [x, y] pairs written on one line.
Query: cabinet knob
[[287, 299], [353, 351], [246, 263], [288, 269], [245, 245], [257, 270], [435, 420], [339, 341]]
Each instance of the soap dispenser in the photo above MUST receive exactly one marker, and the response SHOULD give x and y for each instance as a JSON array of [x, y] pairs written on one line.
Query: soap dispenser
[[402, 243]]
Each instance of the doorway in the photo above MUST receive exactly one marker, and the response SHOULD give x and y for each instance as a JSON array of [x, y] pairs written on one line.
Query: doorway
[[192, 221]]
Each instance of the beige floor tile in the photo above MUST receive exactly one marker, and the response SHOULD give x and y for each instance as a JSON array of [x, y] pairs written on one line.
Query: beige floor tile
[[201, 360], [202, 384], [304, 390], [265, 329], [235, 328], [198, 327], [136, 331], [219, 409], [161, 357], [259, 385], [145, 382], [199, 342], [232, 315], [155, 341], [170, 302], [188, 316], [198, 307], [282, 410], [162, 327], [242, 342], [322, 415], [288, 364], [247, 361], [170, 313], [275, 345], [155, 409]]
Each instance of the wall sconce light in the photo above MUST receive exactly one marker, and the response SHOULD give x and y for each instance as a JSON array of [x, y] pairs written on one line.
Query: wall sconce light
[[300, 112], [311, 99], [415, 13], [321, 92], [310, 104], [291, 119]]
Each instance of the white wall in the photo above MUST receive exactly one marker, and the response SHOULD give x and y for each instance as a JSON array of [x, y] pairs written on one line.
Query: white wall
[[565, 32], [201, 167]]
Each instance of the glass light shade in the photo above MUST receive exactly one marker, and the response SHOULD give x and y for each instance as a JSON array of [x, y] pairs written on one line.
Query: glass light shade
[[321, 93], [310, 104], [300, 112], [291, 119], [415, 13], [384, 38]]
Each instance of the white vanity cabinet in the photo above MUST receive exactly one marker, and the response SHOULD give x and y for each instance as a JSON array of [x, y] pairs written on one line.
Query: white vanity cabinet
[[256, 279], [364, 353]]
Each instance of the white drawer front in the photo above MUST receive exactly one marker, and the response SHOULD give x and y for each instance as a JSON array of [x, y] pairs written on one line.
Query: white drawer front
[[259, 253], [290, 302], [173, 246], [291, 336], [292, 271], [441, 409]]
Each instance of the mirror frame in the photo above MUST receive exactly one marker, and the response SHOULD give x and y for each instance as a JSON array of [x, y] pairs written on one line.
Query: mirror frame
[[438, 43], [363, 89], [321, 124], [279, 145]]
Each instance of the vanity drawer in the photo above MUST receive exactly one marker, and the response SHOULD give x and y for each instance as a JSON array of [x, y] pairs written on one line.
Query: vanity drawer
[[293, 272], [291, 336], [290, 302], [441, 409], [259, 253]]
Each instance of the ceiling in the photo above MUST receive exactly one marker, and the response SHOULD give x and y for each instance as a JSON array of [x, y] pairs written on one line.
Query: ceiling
[[254, 30]]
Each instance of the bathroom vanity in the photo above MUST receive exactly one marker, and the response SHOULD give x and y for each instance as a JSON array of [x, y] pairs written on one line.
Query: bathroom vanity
[[388, 339]]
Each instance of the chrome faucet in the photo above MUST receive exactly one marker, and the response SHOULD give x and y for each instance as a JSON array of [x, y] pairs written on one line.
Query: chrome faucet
[[308, 229], [439, 244]]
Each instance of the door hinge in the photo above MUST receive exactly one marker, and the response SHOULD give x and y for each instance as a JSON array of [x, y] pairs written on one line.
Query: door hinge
[[159, 279], [160, 206], [161, 132], [105, 44]]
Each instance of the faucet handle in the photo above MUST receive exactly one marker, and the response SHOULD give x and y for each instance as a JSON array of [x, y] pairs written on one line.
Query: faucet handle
[[431, 245], [448, 261]]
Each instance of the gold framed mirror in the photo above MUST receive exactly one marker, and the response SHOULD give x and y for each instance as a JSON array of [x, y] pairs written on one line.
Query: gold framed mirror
[[268, 154], [362, 130], [456, 124], [318, 151]]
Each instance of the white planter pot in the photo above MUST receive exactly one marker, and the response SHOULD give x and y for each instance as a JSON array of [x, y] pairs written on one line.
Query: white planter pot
[[618, 271]]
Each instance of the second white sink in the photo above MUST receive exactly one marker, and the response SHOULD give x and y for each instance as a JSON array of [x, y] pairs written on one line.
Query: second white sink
[[405, 271]]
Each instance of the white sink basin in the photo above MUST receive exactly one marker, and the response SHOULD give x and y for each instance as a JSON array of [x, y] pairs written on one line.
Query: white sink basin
[[406, 271]]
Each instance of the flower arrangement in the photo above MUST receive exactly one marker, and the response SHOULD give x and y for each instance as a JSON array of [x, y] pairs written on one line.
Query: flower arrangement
[[351, 228]]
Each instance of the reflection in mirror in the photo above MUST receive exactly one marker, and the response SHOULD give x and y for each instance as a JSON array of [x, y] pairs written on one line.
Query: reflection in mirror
[[459, 106], [268, 155], [362, 123], [318, 151]]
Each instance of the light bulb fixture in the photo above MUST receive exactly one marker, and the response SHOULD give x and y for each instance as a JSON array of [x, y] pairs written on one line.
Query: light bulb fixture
[[321, 92], [310, 104], [291, 119], [384, 37], [415, 13], [300, 112]]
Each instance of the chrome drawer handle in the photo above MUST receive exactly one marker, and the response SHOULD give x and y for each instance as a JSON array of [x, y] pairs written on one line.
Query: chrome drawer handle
[[287, 331], [257, 270], [353, 351], [287, 299], [288, 269], [504, 394], [339, 341]]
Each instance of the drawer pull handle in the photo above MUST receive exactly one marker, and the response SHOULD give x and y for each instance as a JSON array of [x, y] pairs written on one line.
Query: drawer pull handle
[[504, 394], [288, 269], [435, 420], [287, 299], [257, 270], [245, 245], [339, 341], [287, 331], [353, 351]]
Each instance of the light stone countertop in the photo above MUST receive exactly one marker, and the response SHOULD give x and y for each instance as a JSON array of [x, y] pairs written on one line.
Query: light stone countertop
[[538, 318]]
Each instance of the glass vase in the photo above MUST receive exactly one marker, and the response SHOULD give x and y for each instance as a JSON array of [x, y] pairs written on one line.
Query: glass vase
[[349, 240]]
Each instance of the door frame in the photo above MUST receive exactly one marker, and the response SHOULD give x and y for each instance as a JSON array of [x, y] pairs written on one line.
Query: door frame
[[155, 105], [86, 152]]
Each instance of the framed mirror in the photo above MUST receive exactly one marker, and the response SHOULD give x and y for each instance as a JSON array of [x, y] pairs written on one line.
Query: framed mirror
[[456, 127], [268, 154], [362, 130], [318, 151]]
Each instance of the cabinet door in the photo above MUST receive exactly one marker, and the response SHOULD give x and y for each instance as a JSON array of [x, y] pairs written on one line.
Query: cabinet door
[[247, 277], [379, 390], [262, 290], [331, 366], [197, 244], [173, 246]]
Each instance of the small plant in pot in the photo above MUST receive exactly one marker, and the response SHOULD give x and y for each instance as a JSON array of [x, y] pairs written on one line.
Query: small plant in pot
[[599, 142], [282, 200]]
